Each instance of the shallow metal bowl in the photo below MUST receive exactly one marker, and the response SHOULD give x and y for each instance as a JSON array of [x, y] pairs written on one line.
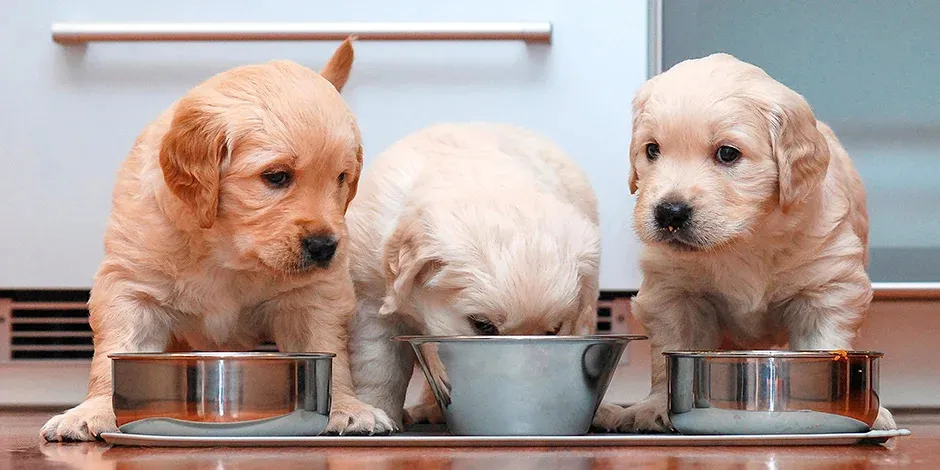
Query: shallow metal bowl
[[772, 392], [222, 394], [519, 385]]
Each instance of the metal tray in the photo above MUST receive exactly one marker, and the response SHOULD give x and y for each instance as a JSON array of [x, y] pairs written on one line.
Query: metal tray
[[438, 437]]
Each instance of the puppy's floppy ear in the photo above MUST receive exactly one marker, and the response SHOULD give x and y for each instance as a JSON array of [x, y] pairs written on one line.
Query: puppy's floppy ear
[[801, 151], [588, 274], [338, 67], [353, 180], [639, 105], [407, 261], [190, 155], [586, 323], [634, 179]]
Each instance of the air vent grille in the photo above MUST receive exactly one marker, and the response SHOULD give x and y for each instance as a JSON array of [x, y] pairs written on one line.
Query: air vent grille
[[48, 330], [53, 325], [613, 309], [603, 319]]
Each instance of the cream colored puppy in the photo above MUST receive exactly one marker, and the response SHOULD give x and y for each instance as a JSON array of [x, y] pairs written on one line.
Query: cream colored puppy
[[752, 216], [227, 228], [467, 229]]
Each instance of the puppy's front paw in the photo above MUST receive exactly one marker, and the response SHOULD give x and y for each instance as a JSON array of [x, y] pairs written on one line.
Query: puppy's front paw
[[884, 422], [351, 416], [424, 413], [85, 422], [649, 415], [607, 417]]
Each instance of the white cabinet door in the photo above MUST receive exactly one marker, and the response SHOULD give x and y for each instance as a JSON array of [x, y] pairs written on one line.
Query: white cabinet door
[[71, 113]]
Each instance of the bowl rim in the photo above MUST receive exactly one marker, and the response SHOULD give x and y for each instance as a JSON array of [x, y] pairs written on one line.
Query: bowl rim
[[414, 339], [250, 355], [767, 353]]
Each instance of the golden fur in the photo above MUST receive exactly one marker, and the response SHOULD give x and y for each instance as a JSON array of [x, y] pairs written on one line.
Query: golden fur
[[201, 250], [459, 222], [776, 248]]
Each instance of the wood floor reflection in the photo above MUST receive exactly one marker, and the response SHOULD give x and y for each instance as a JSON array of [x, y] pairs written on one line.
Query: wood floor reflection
[[20, 447]]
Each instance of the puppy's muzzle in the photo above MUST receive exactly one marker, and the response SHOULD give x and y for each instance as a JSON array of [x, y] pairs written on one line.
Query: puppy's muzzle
[[318, 250], [672, 215]]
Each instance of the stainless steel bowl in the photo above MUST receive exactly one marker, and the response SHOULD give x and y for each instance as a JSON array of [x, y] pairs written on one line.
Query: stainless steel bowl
[[222, 394], [772, 392], [519, 385]]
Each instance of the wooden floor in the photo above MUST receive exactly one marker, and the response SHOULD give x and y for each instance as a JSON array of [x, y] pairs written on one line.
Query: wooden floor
[[20, 448]]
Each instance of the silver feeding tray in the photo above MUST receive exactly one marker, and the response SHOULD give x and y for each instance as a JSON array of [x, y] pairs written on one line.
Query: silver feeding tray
[[437, 436]]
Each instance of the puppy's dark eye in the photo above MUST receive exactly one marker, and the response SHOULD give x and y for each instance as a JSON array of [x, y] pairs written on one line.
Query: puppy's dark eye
[[553, 332], [727, 154], [278, 179], [341, 178], [652, 151], [484, 326]]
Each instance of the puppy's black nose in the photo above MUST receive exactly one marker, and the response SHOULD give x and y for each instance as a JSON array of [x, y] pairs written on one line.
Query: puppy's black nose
[[319, 249], [672, 215]]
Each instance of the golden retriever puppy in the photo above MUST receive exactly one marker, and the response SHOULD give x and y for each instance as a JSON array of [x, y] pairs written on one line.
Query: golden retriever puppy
[[227, 227], [753, 219], [467, 229]]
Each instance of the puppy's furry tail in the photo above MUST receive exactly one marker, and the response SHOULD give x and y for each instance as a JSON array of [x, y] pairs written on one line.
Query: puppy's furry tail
[[338, 68]]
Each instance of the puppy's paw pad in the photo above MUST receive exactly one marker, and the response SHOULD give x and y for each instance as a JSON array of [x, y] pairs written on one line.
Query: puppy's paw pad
[[356, 417], [607, 417], [82, 423], [49, 431], [885, 421], [426, 413], [649, 415]]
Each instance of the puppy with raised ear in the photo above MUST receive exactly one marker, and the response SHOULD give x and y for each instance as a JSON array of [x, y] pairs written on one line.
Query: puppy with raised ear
[[467, 229], [753, 219], [227, 228]]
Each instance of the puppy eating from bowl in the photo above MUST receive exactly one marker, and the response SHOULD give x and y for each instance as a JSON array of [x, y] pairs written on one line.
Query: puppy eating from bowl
[[753, 220], [227, 227], [467, 229]]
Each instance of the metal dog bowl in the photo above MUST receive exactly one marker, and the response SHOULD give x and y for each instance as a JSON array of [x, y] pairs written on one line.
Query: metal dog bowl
[[772, 392], [222, 394], [519, 385]]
